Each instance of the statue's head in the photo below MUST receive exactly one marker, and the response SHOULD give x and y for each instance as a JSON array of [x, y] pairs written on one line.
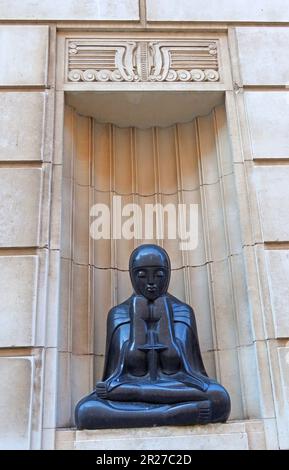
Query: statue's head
[[150, 270]]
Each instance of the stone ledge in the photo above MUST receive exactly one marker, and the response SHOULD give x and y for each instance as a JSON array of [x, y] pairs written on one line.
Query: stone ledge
[[239, 435]]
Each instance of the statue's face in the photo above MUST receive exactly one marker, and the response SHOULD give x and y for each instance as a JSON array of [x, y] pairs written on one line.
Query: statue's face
[[151, 282], [150, 270]]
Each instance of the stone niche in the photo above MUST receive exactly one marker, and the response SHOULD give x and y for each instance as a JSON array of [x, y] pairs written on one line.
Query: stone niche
[[151, 132]]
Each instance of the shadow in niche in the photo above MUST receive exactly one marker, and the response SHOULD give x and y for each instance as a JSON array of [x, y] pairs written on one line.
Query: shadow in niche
[[144, 109]]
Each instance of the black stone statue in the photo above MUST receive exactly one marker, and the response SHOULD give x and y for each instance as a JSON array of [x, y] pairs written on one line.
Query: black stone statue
[[154, 373]]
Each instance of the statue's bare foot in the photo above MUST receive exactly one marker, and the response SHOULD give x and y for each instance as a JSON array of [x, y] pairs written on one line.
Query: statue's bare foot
[[101, 390], [205, 412]]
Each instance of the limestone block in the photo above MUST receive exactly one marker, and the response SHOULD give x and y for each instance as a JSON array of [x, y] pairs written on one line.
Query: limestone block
[[144, 162], [82, 326], [21, 126], [81, 224], [48, 439], [248, 234], [198, 296], [65, 439], [15, 402], [241, 301], [177, 284], [69, 10], [101, 249], [122, 180], [64, 407], [169, 219], [167, 178], [223, 140], [279, 364], [65, 307], [223, 301], [207, 142], [247, 357], [271, 434], [82, 153], [200, 254], [256, 435], [215, 221], [67, 210], [52, 311], [66, 140], [20, 191], [252, 266], [188, 156], [121, 249], [213, 436], [209, 363], [98, 367], [278, 267], [254, 429], [56, 209], [23, 54], [50, 388], [268, 116], [18, 293], [231, 214], [229, 377], [283, 426], [239, 10], [267, 377], [122, 285], [263, 311], [103, 283], [82, 382], [267, 62], [273, 195]]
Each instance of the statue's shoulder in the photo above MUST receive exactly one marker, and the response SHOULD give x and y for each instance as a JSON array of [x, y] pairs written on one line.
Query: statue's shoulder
[[182, 311], [119, 314]]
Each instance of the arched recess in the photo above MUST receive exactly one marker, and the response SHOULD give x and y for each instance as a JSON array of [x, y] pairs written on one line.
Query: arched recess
[[182, 163]]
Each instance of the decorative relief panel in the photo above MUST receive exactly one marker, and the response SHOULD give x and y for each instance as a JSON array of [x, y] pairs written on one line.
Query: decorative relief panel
[[170, 61]]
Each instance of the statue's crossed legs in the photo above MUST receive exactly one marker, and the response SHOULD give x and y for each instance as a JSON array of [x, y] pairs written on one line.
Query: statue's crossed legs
[[146, 386]]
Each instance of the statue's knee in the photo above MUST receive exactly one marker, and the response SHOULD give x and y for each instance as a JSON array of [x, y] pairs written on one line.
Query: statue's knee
[[221, 404], [86, 410]]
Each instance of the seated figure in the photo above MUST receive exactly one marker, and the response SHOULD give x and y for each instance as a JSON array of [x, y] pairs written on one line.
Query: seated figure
[[154, 374]]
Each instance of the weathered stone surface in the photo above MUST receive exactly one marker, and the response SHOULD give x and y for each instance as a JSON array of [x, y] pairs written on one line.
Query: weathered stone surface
[[20, 191], [21, 126], [225, 10], [283, 425], [18, 292], [278, 267], [267, 62], [268, 117], [273, 194], [197, 435], [15, 402], [23, 54], [71, 10], [220, 436]]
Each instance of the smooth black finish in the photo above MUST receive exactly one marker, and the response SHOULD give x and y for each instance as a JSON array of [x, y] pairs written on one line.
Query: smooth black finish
[[154, 374]]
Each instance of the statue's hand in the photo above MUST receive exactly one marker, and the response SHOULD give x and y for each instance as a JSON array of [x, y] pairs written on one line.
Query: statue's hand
[[101, 390], [139, 309]]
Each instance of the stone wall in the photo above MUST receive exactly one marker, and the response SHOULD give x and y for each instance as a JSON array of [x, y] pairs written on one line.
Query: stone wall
[[31, 165]]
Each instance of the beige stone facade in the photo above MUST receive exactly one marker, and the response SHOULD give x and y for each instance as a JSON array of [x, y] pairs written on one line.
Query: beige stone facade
[[172, 101]]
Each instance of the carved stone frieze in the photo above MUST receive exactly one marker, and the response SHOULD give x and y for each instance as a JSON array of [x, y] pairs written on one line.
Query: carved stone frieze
[[141, 60]]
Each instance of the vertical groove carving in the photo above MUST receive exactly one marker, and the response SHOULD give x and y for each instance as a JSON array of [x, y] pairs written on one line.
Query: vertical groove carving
[[186, 163]]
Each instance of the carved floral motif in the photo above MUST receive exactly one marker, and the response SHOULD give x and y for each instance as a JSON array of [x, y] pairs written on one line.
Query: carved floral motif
[[167, 61]]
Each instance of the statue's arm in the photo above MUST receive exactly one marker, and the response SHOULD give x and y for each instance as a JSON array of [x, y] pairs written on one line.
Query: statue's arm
[[186, 331], [115, 337]]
